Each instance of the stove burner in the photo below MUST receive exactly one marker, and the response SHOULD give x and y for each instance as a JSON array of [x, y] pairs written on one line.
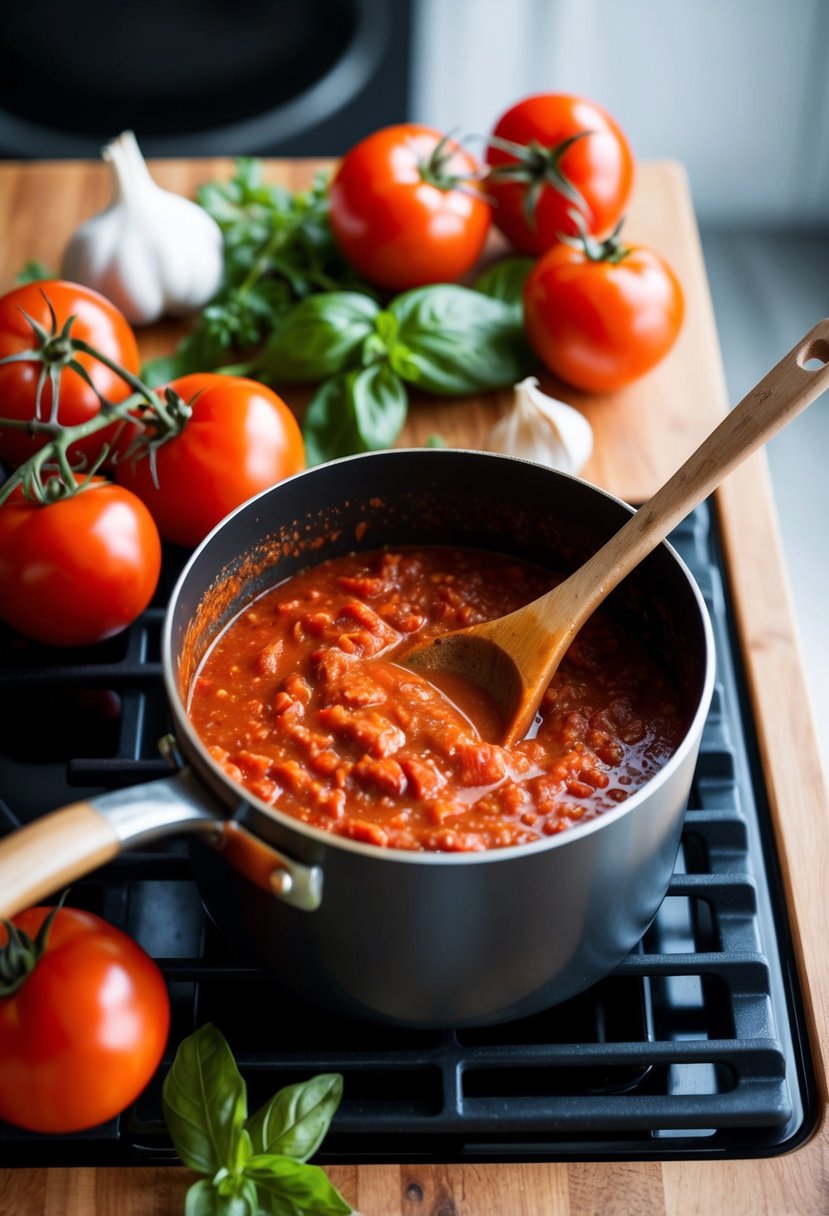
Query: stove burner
[[693, 1046]]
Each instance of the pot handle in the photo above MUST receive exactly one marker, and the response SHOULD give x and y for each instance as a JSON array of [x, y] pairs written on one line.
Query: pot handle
[[64, 845]]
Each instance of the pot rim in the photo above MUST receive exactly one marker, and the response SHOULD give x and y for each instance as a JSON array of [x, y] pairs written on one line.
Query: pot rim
[[382, 852]]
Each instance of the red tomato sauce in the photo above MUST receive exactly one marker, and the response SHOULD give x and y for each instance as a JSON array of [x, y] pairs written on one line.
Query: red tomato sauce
[[300, 700]]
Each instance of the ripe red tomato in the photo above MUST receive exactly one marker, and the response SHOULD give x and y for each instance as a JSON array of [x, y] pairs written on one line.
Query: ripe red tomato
[[240, 439], [99, 323], [406, 209], [601, 323], [82, 1035], [80, 569], [599, 165]]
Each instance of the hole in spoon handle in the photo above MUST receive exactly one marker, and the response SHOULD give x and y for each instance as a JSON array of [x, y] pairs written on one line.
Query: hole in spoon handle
[[814, 354]]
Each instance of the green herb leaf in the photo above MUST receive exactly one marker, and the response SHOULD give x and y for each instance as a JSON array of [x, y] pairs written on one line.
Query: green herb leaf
[[32, 272], [288, 1188], [203, 1199], [330, 428], [321, 336], [205, 1102], [243, 1150], [256, 1166], [165, 368], [199, 351], [296, 1119], [361, 411], [460, 341], [380, 406], [278, 246], [505, 281]]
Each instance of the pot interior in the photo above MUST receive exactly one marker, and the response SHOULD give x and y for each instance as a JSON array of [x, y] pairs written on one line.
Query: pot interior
[[430, 497]]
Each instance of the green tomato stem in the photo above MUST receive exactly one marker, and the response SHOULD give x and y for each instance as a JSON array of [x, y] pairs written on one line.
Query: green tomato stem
[[56, 351], [20, 955]]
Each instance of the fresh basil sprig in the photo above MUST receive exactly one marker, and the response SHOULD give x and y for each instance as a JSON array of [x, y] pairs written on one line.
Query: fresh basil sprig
[[255, 1164], [445, 339]]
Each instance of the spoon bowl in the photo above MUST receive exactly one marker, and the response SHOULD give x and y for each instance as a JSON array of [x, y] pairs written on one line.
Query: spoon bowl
[[514, 658]]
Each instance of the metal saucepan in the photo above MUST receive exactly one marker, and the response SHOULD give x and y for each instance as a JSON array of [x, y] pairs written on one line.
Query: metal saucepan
[[417, 939]]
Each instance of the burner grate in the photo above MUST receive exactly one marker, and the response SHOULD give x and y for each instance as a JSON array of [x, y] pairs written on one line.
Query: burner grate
[[692, 1046]]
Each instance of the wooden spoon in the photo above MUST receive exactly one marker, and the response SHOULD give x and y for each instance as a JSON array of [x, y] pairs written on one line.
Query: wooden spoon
[[514, 657]]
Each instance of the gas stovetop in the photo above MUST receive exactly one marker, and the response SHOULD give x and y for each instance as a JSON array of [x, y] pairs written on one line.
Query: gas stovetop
[[694, 1046]]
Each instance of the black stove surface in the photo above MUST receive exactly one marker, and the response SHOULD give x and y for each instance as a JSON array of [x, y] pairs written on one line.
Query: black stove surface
[[694, 1046]]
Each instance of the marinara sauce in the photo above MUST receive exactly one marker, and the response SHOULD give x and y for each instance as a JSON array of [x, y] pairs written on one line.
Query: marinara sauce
[[300, 700]]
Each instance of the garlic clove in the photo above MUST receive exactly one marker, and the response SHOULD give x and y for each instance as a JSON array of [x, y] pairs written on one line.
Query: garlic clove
[[151, 252], [540, 428]]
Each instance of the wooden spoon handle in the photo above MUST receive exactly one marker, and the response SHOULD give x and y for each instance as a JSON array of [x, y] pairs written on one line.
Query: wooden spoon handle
[[775, 401]]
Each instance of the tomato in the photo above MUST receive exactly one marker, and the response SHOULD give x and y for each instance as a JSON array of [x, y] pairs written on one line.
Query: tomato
[[240, 439], [99, 323], [85, 1030], [80, 569], [600, 320], [531, 203], [406, 209]]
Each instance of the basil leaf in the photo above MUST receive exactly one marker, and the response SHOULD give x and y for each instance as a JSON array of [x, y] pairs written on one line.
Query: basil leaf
[[205, 1101], [360, 412], [289, 1188], [296, 1119], [380, 406], [203, 1199], [320, 336], [460, 341], [330, 428], [243, 1150], [505, 281]]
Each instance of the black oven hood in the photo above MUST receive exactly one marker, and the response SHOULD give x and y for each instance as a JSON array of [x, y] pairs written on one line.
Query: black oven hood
[[201, 77]]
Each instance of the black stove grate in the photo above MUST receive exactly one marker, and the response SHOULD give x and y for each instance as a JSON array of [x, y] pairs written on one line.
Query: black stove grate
[[693, 1046]]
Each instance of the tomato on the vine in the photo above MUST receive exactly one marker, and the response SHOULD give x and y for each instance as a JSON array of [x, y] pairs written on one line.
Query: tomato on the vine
[[97, 322], [553, 154], [78, 569], [602, 314], [406, 208], [241, 438], [83, 1022]]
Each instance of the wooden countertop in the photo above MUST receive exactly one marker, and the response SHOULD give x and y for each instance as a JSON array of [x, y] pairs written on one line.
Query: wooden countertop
[[642, 434]]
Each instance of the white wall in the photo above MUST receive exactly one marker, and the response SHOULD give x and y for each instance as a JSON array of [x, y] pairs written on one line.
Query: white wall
[[736, 89]]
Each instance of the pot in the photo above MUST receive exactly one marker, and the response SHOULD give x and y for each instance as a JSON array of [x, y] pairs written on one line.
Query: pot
[[414, 939]]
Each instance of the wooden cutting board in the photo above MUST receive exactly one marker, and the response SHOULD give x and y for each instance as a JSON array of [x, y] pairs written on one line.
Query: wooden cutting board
[[642, 434]]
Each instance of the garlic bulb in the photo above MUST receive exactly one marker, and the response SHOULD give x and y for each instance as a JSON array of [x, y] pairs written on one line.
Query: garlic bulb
[[151, 252], [543, 429]]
